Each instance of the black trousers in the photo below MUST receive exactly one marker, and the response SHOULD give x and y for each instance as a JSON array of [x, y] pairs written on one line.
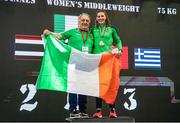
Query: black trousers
[[80, 100], [99, 104]]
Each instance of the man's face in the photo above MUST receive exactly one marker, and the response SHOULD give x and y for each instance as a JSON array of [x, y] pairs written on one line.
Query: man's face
[[84, 22]]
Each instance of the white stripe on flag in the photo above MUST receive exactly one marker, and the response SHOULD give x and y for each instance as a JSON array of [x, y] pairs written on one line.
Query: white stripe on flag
[[83, 82], [28, 53], [71, 22], [136, 64], [25, 41], [143, 60], [153, 52], [151, 56]]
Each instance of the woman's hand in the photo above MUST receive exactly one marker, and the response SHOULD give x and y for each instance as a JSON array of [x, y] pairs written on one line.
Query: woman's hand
[[116, 52], [118, 55]]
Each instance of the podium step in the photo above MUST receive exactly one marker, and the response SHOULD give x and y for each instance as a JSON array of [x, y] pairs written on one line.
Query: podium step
[[103, 119]]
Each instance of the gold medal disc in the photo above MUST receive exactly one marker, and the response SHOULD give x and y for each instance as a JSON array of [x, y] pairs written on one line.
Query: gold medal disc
[[101, 43]]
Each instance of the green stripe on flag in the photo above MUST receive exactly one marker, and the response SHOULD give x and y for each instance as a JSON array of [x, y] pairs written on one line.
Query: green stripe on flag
[[59, 23], [54, 69]]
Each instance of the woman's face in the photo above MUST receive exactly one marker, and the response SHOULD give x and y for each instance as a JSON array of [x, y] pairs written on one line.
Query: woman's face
[[101, 18]]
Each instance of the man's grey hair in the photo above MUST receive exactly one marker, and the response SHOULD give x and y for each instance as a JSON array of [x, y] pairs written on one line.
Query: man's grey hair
[[82, 14]]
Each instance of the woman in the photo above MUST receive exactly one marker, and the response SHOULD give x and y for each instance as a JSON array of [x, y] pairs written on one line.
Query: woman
[[105, 37]]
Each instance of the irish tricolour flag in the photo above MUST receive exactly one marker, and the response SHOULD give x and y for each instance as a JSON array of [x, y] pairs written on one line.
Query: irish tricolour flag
[[65, 22], [69, 70]]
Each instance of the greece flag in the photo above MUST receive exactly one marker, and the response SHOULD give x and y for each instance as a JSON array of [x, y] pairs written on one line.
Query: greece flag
[[147, 58]]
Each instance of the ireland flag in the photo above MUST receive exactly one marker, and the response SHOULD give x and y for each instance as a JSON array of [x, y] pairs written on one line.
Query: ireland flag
[[64, 22], [69, 70]]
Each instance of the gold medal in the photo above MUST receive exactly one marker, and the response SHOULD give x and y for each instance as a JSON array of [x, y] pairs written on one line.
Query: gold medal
[[101, 43]]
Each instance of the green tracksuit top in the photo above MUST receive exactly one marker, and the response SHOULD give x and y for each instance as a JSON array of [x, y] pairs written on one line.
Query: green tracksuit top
[[78, 39], [104, 37]]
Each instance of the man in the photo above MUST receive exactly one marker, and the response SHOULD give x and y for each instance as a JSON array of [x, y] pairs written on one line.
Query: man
[[80, 39]]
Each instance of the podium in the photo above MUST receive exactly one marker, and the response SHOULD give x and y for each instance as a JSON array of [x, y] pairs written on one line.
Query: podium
[[103, 119]]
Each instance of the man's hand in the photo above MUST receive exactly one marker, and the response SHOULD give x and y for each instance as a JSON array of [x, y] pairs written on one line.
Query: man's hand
[[46, 32]]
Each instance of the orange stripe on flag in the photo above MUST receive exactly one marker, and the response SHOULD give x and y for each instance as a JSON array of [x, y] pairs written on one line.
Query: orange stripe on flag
[[109, 69], [105, 68], [112, 92]]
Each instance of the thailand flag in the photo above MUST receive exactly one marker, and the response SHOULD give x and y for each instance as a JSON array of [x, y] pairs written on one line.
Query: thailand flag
[[28, 47]]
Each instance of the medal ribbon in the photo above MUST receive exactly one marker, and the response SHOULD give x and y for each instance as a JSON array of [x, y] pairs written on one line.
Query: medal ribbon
[[84, 40], [102, 31]]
